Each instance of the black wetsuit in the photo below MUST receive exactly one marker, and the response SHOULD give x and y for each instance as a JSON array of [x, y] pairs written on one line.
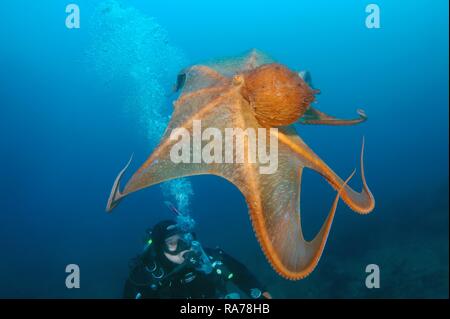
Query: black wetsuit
[[149, 278]]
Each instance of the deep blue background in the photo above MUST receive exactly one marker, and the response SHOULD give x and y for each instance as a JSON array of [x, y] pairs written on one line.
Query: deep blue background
[[64, 136]]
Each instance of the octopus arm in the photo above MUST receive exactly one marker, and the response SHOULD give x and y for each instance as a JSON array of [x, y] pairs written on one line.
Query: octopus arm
[[361, 202], [314, 116], [277, 223]]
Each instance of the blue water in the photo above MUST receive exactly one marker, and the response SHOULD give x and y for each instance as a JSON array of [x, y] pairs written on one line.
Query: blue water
[[75, 104]]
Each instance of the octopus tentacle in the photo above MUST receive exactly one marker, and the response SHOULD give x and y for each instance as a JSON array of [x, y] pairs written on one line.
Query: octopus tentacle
[[281, 238], [201, 112], [314, 117], [320, 239], [190, 95], [362, 202], [116, 195], [207, 71]]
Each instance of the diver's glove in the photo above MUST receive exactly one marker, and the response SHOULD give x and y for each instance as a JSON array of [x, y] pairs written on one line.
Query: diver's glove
[[256, 293], [192, 258], [198, 259], [266, 295]]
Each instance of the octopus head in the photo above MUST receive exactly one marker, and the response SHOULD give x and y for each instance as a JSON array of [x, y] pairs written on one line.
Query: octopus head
[[278, 96]]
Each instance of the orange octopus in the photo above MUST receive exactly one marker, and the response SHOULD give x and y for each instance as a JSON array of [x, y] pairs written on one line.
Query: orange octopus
[[252, 91]]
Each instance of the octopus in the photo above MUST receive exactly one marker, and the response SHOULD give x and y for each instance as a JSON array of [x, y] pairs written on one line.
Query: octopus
[[254, 91]]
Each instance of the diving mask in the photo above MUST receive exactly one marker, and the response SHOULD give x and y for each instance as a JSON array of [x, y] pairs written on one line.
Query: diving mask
[[178, 243]]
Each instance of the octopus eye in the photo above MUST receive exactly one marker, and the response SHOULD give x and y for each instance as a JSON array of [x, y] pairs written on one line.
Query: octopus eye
[[181, 80]]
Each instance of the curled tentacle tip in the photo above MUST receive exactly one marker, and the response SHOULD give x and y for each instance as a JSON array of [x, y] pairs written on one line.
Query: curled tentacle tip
[[115, 196], [350, 176], [361, 113], [131, 158], [341, 189]]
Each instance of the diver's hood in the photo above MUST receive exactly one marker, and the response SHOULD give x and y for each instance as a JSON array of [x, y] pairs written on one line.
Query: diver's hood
[[163, 230]]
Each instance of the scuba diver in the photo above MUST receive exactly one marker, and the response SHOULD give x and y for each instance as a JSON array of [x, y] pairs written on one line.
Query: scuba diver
[[175, 265]]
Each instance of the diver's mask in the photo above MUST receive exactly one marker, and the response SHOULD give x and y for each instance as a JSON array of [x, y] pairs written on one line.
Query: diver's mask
[[182, 248], [182, 243], [178, 243]]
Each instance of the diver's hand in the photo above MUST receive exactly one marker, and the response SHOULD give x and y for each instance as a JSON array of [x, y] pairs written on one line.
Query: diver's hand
[[257, 293], [191, 258], [266, 295]]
